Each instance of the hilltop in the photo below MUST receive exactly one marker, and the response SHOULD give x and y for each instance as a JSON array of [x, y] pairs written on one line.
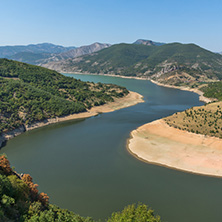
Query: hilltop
[[174, 64]]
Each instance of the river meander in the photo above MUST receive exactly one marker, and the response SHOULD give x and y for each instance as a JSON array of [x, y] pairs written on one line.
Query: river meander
[[84, 166]]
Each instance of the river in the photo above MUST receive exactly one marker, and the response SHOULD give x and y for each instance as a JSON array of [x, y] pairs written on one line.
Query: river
[[84, 166]]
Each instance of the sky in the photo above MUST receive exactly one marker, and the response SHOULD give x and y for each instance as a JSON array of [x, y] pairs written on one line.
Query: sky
[[83, 22]]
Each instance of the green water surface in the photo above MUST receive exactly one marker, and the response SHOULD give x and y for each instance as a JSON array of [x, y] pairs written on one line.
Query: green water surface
[[84, 165]]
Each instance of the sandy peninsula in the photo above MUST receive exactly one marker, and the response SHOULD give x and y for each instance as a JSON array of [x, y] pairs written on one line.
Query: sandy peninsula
[[158, 143], [129, 100]]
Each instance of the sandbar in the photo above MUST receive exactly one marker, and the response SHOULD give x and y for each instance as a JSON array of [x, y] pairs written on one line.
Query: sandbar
[[158, 143], [131, 99]]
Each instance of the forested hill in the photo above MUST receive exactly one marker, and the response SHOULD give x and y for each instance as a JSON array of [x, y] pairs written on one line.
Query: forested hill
[[173, 63], [30, 93]]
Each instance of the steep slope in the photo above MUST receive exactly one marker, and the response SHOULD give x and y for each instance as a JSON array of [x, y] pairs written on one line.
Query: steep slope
[[83, 50], [21, 201], [173, 63]]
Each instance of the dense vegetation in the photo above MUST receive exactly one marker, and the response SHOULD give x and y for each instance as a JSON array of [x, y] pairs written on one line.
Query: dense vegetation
[[31, 93], [206, 120], [175, 64], [213, 90], [133, 213], [21, 201]]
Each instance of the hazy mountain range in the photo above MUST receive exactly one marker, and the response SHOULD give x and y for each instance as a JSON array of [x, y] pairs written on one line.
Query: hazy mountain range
[[46, 52], [39, 54], [7, 51]]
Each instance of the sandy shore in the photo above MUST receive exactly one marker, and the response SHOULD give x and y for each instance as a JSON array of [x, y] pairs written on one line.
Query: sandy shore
[[131, 99], [102, 74], [158, 143]]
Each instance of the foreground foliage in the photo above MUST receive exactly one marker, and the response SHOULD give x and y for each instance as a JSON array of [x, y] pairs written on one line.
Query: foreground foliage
[[21, 201], [132, 213], [30, 93]]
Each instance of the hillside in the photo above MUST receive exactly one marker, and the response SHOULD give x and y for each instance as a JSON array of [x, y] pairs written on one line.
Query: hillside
[[20, 199], [174, 64], [206, 120], [31, 93]]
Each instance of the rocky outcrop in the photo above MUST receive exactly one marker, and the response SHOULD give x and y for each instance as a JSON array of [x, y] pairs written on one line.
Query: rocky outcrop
[[9, 135], [147, 42]]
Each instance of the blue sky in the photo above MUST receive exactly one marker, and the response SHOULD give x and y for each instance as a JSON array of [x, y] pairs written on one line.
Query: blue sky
[[82, 22]]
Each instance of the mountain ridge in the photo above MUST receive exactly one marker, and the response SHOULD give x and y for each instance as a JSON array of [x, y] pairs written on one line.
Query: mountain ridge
[[37, 54], [173, 63], [6, 51]]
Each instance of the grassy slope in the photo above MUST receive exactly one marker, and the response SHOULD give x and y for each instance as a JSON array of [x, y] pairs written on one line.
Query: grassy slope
[[206, 120]]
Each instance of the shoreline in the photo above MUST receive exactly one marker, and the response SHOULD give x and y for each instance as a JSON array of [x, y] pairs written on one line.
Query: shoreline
[[102, 74], [131, 99], [158, 143], [195, 90]]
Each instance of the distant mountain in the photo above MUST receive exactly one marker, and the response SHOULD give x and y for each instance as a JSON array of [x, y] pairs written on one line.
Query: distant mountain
[[45, 53], [173, 63], [7, 51], [147, 42], [83, 50], [30, 57]]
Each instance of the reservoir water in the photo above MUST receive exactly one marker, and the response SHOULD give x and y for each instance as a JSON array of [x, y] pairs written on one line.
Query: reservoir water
[[84, 166]]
